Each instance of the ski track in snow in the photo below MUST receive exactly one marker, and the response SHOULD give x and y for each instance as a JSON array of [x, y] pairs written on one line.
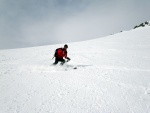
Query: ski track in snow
[[112, 76]]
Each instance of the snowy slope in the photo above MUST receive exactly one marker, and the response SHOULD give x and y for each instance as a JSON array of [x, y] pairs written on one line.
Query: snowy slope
[[113, 76]]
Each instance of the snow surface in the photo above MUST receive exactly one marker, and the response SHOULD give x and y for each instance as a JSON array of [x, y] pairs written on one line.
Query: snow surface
[[112, 76]]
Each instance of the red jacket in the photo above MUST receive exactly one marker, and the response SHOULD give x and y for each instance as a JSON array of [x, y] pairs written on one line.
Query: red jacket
[[62, 53]]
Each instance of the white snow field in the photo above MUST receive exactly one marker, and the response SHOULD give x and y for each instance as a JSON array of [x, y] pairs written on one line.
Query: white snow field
[[112, 76]]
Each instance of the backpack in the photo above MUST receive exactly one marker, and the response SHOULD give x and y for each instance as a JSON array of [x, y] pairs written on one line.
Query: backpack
[[56, 52]]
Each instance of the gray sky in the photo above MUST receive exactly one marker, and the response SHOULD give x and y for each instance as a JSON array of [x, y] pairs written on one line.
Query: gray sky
[[27, 23]]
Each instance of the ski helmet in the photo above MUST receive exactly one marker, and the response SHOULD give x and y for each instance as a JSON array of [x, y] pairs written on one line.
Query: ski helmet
[[65, 46]]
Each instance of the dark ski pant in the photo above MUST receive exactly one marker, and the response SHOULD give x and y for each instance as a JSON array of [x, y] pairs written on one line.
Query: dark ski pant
[[57, 59]]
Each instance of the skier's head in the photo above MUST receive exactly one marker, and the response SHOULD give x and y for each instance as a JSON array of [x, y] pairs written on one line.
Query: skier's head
[[65, 46]]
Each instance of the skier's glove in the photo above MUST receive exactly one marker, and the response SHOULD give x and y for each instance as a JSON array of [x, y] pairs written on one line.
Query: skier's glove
[[68, 59]]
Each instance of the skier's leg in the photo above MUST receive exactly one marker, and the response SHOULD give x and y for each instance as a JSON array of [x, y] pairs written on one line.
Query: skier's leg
[[62, 61], [56, 61]]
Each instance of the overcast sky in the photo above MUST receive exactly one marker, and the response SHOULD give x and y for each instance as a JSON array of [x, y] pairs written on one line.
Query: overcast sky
[[27, 23]]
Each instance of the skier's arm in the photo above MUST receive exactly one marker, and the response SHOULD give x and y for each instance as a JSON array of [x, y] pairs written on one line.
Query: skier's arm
[[66, 56]]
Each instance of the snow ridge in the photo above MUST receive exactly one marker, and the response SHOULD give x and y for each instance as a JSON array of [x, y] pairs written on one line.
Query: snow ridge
[[147, 23]]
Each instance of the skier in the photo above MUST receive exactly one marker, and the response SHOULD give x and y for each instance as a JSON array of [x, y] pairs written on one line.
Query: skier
[[60, 54]]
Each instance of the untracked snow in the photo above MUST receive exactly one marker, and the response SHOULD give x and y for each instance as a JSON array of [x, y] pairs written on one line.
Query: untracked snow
[[112, 76]]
